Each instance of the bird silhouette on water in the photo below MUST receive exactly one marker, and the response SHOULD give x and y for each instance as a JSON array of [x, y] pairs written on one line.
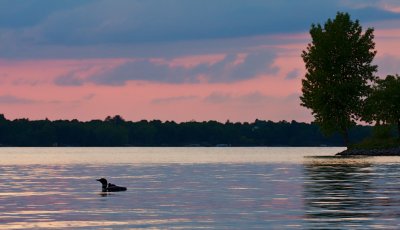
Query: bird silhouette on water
[[108, 187]]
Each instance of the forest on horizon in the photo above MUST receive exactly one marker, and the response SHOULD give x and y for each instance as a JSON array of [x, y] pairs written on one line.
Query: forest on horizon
[[115, 131]]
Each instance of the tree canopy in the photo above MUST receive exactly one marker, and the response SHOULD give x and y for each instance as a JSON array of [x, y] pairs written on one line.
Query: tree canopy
[[339, 72], [115, 131], [383, 105]]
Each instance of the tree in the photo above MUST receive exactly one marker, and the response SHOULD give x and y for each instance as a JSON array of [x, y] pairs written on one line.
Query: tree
[[117, 120], [339, 73], [383, 105]]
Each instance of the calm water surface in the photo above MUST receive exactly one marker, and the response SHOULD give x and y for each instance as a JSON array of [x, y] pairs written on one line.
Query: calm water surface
[[197, 188]]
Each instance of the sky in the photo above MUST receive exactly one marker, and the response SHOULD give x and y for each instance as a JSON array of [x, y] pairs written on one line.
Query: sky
[[170, 60]]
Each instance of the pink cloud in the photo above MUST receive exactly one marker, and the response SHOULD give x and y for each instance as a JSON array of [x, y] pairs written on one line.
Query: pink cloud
[[34, 72], [193, 61], [266, 95], [387, 5], [135, 101], [34, 81], [387, 42]]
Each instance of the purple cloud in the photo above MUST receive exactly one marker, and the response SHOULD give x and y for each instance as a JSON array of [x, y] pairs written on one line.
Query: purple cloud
[[10, 99], [27, 27], [169, 100], [293, 74], [226, 70]]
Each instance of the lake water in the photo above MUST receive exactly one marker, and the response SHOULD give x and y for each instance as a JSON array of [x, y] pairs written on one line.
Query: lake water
[[197, 188]]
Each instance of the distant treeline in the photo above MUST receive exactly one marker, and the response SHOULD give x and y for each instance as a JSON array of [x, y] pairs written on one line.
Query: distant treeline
[[115, 131]]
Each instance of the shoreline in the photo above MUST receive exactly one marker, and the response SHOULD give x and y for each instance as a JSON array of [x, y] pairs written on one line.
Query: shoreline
[[370, 152]]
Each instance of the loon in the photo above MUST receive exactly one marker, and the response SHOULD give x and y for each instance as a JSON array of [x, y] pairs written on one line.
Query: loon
[[110, 187]]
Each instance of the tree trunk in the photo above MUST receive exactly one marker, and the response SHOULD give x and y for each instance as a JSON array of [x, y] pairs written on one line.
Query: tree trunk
[[345, 134], [398, 128]]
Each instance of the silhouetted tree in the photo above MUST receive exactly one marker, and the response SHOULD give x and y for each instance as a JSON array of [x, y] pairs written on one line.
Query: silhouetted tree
[[383, 105], [339, 71], [117, 132], [117, 120]]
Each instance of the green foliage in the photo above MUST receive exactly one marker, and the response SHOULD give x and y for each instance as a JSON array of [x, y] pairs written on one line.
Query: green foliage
[[377, 143], [383, 105], [382, 132], [339, 71], [382, 138]]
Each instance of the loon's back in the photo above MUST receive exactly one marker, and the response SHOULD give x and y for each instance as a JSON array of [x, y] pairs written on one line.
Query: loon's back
[[115, 188]]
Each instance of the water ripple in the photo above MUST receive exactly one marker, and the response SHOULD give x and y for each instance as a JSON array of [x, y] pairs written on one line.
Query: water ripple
[[323, 193]]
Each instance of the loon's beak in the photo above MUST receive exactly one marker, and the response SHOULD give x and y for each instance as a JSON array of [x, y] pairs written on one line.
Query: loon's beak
[[98, 179]]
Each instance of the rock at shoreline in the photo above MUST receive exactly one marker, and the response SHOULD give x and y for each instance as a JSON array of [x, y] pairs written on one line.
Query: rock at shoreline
[[370, 152]]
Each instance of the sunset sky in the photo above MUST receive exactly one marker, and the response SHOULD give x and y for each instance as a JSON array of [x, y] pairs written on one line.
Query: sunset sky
[[175, 60]]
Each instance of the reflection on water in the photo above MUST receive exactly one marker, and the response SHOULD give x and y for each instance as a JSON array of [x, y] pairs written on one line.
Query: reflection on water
[[351, 193], [264, 191], [222, 196]]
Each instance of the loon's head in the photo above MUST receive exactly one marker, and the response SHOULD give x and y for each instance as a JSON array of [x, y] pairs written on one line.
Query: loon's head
[[103, 181]]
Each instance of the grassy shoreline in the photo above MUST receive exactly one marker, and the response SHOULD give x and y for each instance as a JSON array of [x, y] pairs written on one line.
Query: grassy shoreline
[[374, 147], [377, 143]]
